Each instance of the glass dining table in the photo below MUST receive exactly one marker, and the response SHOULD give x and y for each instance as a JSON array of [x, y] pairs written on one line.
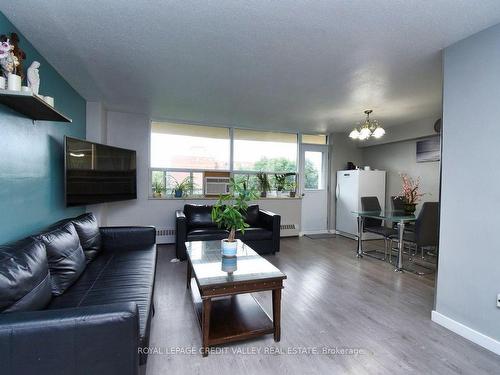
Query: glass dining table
[[399, 217]]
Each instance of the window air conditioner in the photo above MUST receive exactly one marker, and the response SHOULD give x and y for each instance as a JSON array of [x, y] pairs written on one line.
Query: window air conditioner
[[216, 185]]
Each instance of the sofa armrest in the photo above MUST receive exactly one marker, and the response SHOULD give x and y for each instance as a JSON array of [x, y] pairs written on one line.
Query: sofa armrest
[[129, 238], [96, 340], [272, 222], [180, 235]]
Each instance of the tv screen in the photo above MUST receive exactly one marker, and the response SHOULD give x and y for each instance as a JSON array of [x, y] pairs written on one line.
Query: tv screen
[[97, 173]]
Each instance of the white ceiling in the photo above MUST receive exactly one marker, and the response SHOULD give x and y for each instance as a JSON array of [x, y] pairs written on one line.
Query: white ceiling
[[303, 64]]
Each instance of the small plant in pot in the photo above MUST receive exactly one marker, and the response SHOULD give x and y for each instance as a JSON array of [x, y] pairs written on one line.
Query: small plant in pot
[[290, 185], [280, 181], [183, 187], [264, 184], [158, 189], [411, 193], [229, 213]]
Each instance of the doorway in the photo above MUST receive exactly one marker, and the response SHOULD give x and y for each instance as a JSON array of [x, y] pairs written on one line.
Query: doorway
[[314, 187]]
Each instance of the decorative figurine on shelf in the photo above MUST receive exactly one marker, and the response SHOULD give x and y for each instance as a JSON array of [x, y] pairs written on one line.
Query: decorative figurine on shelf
[[33, 77]]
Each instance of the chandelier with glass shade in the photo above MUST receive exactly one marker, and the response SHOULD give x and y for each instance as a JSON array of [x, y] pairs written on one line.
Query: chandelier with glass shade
[[369, 128]]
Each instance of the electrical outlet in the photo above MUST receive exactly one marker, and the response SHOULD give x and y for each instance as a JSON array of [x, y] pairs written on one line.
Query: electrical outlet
[[498, 300]]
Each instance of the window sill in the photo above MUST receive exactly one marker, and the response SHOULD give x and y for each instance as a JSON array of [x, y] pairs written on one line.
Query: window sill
[[216, 198]]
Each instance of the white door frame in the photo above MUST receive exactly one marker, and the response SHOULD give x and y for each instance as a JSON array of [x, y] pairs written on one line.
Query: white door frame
[[325, 183]]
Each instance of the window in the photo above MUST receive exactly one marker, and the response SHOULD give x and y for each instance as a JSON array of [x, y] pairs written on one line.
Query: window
[[179, 146], [264, 151], [167, 181], [182, 151], [315, 139], [313, 170]]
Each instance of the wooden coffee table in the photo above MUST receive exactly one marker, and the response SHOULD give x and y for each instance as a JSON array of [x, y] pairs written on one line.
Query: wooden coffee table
[[225, 308]]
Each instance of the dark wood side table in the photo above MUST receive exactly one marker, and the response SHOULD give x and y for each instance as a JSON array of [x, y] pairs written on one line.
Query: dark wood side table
[[223, 302]]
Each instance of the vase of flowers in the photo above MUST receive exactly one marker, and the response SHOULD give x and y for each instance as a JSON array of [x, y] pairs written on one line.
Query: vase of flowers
[[411, 193], [229, 213], [11, 57]]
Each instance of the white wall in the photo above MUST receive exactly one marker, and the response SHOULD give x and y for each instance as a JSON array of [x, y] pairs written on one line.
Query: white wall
[[400, 157], [132, 131], [469, 261]]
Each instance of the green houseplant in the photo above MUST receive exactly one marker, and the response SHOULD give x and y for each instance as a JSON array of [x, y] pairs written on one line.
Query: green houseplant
[[291, 187], [181, 188], [158, 189], [264, 184], [228, 212], [280, 181]]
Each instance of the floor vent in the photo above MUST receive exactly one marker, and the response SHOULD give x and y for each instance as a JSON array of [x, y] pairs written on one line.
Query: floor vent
[[165, 232], [288, 226]]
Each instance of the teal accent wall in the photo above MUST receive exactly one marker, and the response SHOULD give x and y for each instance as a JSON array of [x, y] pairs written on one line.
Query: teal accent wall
[[31, 155]]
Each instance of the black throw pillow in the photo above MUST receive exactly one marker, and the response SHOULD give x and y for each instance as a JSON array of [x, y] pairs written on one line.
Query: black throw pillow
[[65, 256], [88, 231], [24, 276]]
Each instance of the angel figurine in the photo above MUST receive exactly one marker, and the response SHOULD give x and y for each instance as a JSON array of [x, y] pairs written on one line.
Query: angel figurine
[[34, 77]]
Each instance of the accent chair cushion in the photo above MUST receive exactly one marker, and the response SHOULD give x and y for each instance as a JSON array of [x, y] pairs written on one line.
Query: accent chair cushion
[[199, 216]]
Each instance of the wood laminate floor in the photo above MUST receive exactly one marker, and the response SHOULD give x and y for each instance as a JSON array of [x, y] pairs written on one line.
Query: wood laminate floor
[[331, 301]]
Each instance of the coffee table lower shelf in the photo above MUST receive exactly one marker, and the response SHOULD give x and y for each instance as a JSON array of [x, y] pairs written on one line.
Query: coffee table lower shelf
[[232, 318]]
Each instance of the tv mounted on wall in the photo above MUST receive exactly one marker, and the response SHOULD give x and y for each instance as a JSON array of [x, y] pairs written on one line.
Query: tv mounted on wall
[[97, 173]]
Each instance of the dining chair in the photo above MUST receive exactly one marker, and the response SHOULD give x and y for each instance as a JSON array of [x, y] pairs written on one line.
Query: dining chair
[[398, 204], [376, 226], [426, 230]]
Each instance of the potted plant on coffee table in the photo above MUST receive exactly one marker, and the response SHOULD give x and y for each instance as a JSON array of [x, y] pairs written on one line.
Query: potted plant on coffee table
[[229, 213], [264, 184], [183, 187], [411, 193]]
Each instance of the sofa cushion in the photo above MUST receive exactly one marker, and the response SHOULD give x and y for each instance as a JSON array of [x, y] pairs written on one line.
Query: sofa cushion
[[199, 216], [24, 276], [65, 256], [252, 215], [88, 231], [252, 234], [116, 276], [207, 234]]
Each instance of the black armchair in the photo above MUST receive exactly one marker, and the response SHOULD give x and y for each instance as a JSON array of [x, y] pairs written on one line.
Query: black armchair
[[194, 223]]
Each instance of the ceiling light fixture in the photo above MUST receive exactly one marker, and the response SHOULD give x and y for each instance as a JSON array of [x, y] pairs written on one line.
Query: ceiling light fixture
[[370, 128]]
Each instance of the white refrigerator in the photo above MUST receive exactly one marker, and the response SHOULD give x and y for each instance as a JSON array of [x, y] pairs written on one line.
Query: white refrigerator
[[351, 186]]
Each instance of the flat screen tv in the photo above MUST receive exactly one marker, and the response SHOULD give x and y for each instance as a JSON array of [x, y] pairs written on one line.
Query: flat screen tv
[[96, 173]]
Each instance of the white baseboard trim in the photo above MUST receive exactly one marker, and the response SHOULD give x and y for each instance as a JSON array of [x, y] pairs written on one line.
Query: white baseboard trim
[[464, 331]]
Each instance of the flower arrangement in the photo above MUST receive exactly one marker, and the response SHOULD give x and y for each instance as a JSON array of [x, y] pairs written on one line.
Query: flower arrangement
[[410, 189], [11, 56]]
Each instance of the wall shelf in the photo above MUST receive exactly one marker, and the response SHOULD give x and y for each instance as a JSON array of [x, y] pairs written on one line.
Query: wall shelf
[[31, 106]]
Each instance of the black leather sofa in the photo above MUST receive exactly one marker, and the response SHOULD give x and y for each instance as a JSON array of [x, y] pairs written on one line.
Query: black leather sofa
[[77, 299], [194, 223]]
